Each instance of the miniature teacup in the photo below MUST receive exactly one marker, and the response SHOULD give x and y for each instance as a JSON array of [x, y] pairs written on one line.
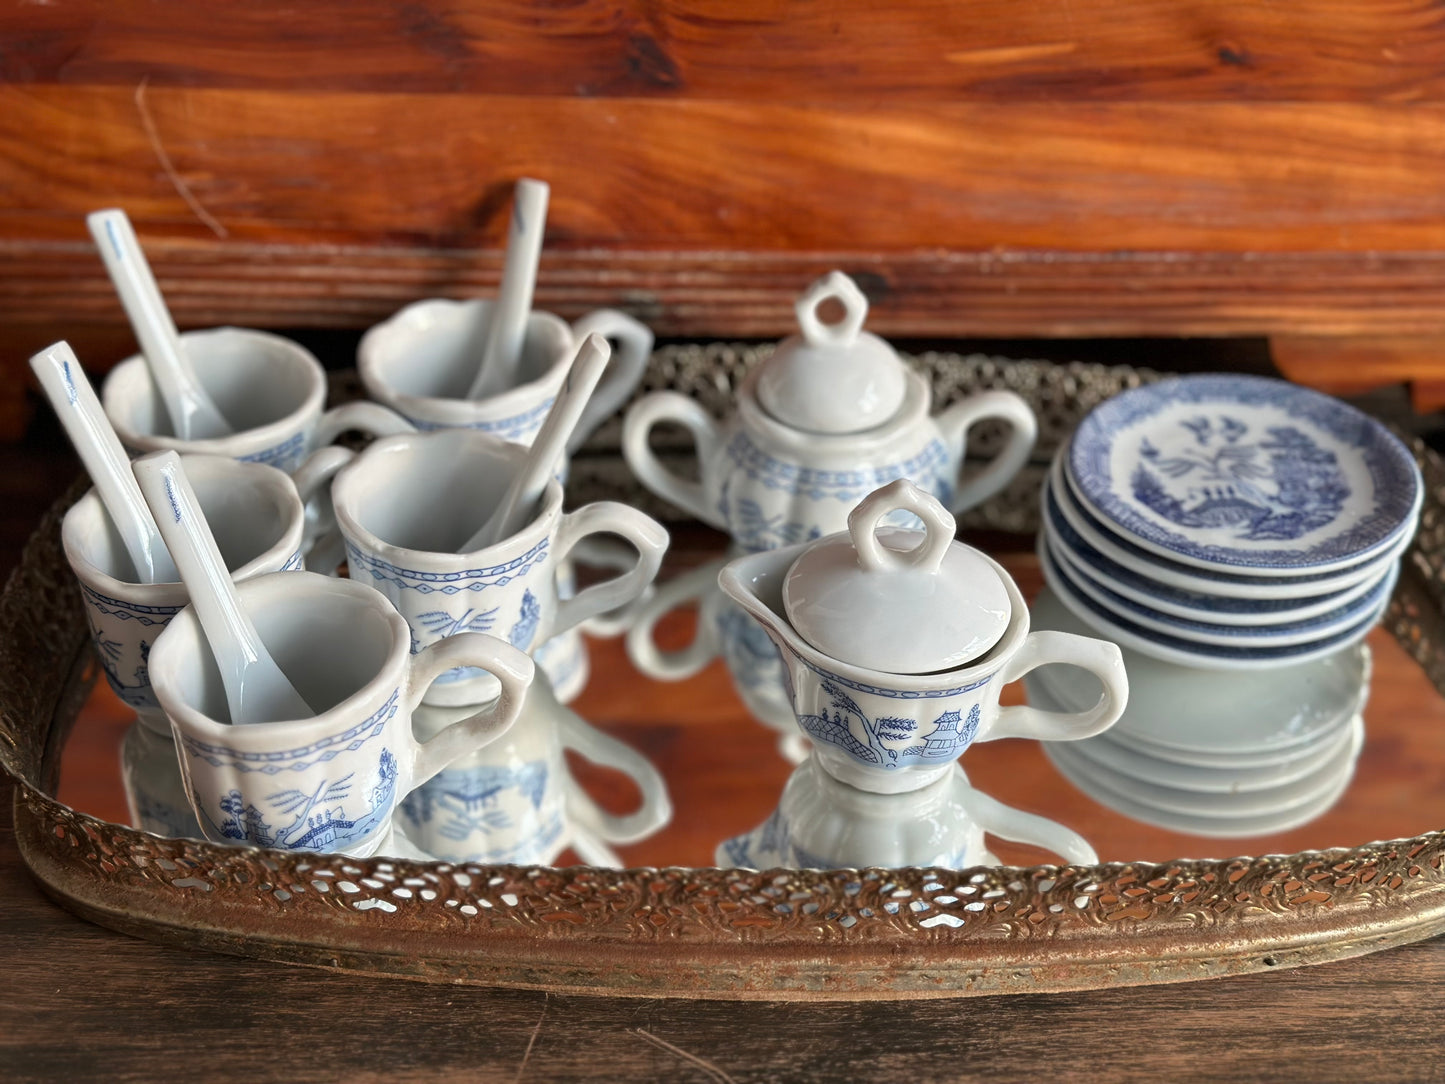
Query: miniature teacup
[[724, 629], [269, 388], [257, 519], [821, 823], [515, 801], [330, 782], [406, 503], [422, 361], [889, 732]]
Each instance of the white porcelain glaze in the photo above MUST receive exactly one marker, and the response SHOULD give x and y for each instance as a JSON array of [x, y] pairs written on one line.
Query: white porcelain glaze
[[821, 823], [905, 601], [771, 484], [258, 522], [270, 389], [421, 363], [331, 782], [405, 504], [888, 732], [515, 801]]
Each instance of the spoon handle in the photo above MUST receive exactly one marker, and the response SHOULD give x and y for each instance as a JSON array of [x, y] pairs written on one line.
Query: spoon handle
[[193, 413], [508, 327], [256, 689], [548, 447], [80, 412]]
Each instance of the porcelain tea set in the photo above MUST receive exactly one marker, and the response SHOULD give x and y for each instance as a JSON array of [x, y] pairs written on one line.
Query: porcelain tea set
[[417, 705]]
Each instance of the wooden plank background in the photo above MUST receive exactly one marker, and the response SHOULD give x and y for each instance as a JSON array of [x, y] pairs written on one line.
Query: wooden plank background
[[1057, 168]]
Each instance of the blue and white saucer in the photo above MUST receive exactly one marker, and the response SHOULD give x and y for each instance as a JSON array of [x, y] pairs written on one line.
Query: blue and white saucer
[[1172, 648], [1245, 474], [1221, 630], [1130, 581], [1062, 509]]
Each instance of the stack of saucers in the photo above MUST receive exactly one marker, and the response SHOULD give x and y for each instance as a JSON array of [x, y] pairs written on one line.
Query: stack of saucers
[[1228, 522], [1238, 523]]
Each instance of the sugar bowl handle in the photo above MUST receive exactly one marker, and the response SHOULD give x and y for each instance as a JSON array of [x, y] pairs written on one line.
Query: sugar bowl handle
[[669, 406], [834, 286], [900, 495]]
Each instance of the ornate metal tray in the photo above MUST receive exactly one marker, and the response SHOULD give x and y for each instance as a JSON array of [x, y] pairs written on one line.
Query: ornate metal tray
[[780, 934]]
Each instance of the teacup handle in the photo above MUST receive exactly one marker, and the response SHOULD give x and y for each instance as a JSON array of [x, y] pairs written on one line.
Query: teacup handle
[[955, 423], [513, 668], [699, 585], [624, 372], [322, 548], [1099, 657], [669, 406], [1019, 827], [656, 808], [373, 419], [607, 517]]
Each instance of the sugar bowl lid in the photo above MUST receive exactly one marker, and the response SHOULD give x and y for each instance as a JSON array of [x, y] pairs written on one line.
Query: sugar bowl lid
[[833, 378], [897, 600]]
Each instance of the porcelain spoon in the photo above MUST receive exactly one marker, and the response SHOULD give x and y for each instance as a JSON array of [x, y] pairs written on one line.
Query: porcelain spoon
[[508, 327], [256, 689], [549, 446], [80, 412], [194, 414]]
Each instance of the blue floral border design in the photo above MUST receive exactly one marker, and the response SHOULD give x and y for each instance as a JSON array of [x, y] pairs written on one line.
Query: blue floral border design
[[329, 748], [1392, 469], [450, 582], [842, 485], [897, 694], [128, 611], [284, 452], [518, 425]]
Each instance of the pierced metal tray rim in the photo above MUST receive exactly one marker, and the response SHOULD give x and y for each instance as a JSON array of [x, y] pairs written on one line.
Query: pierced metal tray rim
[[706, 932]]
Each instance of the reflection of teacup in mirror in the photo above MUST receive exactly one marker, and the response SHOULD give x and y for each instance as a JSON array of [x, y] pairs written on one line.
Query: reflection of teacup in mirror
[[723, 628], [329, 782], [821, 823], [257, 520], [155, 793], [270, 389], [515, 801], [422, 361], [406, 504]]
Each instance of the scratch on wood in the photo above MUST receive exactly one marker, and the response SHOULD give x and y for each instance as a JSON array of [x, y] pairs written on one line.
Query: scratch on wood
[[531, 1041], [702, 1063], [152, 134]]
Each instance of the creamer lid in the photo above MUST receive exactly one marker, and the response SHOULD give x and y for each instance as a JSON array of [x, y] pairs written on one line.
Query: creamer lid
[[899, 600]]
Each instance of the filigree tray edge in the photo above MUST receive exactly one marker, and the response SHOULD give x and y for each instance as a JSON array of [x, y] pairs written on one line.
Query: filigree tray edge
[[706, 933]]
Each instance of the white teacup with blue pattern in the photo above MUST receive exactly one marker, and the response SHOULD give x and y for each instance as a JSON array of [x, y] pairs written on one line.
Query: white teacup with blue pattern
[[256, 516], [422, 361], [269, 388], [406, 503], [330, 782]]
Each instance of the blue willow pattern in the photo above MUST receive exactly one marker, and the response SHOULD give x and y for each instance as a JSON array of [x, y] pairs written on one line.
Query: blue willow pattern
[[889, 741], [1279, 485]]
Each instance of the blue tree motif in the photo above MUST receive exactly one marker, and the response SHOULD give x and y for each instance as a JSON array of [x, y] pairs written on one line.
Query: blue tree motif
[[244, 821], [757, 531], [526, 627], [442, 624]]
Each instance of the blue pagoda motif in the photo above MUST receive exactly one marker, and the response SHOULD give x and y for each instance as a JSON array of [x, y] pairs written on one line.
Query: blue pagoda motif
[[527, 618]]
